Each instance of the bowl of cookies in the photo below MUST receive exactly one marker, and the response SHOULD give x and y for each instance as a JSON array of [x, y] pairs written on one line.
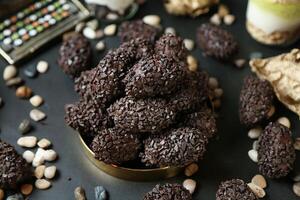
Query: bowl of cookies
[[142, 114]]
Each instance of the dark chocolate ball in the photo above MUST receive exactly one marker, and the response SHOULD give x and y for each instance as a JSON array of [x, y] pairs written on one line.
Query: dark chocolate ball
[[114, 146], [256, 101], [87, 117], [137, 48], [154, 76], [100, 84], [171, 46], [177, 147], [144, 115], [203, 120], [276, 154], [129, 30], [13, 168], [191, 94], [168, 192], [215, 41], [235, 189], [75, 55]]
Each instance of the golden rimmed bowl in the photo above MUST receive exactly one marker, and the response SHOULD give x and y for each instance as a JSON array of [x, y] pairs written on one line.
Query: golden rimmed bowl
[[130, 173]]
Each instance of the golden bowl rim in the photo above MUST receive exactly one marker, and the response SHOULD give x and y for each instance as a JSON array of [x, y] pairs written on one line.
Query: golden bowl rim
[[88, 150]]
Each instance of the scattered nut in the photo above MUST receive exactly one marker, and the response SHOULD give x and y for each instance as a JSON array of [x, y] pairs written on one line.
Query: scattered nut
[[27, 141], [215, 19], [170, 30], [23, 92], [37, 115], [192, 63], [42, 184], [110, 29], [189, 44], [36, 100], [258, 191], [284, 121], [89, 33], [44, 143], [259, 180], [50, 155], [9, 72], [191, 169], [254, 133], [296, 189], [153, 20], [39, 157], [100, 46], [253, 155], [190, 185], [28, 156], [26, 189], [50, 172], [42, 67], [39, 171], [229, 19]]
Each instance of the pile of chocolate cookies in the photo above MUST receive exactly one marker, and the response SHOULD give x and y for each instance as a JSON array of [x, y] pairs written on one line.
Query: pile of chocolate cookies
[[141, 103]]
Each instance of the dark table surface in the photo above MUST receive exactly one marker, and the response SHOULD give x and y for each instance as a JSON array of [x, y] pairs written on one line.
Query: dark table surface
[[226, 157]]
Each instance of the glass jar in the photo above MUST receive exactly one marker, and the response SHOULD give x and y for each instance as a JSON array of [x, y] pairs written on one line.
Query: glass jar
[[274, 22]]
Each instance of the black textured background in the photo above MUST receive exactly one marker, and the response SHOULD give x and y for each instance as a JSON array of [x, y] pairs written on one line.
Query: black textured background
[[226, 158]]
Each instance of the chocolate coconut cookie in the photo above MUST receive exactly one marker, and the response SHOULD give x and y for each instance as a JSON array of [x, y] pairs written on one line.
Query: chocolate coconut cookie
[[191, 94], [177, 147], [75, 55], [137, 48], [13, 168], [235, 189], [216, 42], [100, 84], [202, 120], [168, 192], [103, 83], [154, 76], [276, 154], [134, 29], [87, 117], [171, 46], [114, 146], [256, 101], [148, 115]]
